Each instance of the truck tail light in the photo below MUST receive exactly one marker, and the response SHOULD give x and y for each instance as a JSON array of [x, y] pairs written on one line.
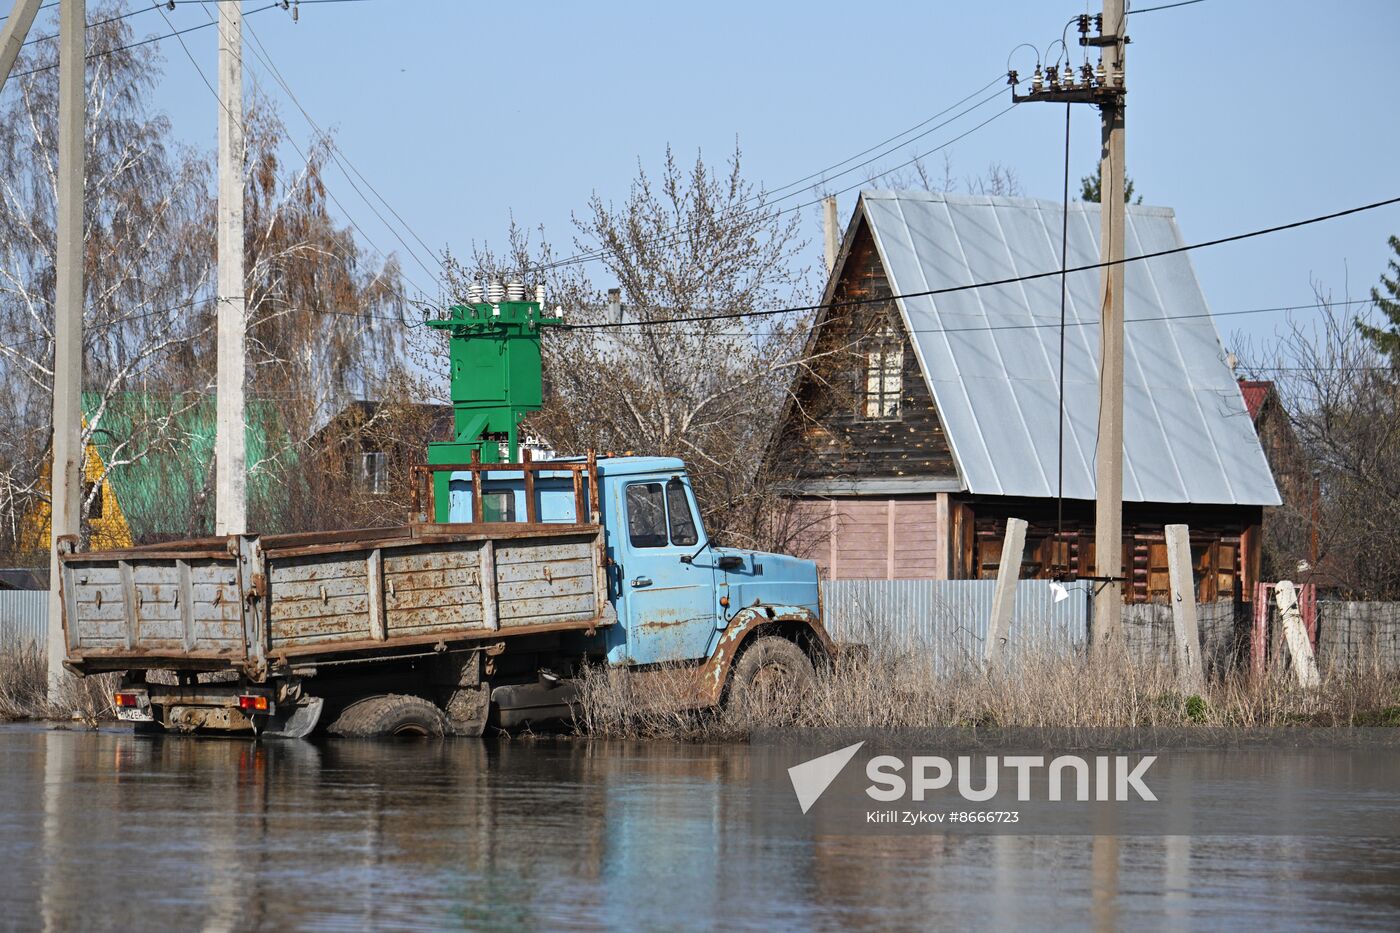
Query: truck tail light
[[129, 700], [252, 703]]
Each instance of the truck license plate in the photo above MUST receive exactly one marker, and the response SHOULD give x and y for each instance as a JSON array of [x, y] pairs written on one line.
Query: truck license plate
[[134, 714]]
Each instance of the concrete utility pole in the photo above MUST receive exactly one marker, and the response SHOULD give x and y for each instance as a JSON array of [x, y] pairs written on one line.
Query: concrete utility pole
[[1013, 549], [230, 464], [13, 34], [829, 231], [1108, 461], [1106, 87], [1187, 632], [65, 473]]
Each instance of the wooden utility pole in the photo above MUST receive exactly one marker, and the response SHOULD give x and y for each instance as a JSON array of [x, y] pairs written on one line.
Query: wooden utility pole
[[65, 472], [230, 476], [1108, 459], [1106, 87], [13, 34]]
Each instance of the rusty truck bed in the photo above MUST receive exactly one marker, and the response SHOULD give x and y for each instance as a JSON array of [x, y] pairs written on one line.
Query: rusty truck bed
[[257, 604]]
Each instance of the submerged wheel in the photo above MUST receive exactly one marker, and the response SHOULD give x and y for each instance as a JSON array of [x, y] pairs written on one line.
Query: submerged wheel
[[770, 677], [392, 714]]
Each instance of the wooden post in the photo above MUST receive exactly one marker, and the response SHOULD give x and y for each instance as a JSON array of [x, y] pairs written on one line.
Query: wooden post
[[374, 593], [478, 475], [1299, 647], [943, 546], [1004, 598], [531, 511], [490, 615], [889, 539], [1183, 587], [1259, 632]]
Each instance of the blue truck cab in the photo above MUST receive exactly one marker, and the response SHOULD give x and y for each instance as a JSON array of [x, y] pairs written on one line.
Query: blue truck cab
[[678, 596]]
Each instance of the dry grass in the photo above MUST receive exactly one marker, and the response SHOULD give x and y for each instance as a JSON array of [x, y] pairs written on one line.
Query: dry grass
[[899, 689], [24, 689]]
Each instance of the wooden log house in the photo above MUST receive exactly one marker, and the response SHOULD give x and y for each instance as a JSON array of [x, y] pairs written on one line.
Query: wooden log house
[[931, 415]]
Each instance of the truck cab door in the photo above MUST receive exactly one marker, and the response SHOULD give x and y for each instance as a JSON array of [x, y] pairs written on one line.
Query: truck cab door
[[668, 606]]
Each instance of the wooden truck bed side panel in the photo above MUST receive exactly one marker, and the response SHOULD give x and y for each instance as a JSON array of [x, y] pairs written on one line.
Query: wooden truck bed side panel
[[428, 588], [285, 598], [179, 605]]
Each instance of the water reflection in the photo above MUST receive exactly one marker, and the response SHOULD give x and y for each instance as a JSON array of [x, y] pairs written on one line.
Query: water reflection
[[108, 830]]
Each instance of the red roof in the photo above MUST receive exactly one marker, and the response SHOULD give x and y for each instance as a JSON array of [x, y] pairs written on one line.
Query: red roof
[[1255, 392]]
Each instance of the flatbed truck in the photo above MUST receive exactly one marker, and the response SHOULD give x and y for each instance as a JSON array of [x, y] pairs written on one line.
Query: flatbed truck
[[479, 613]]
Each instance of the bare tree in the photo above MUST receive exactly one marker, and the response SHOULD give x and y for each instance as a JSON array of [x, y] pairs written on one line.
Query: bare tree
[[324, 320], [147, 226], [1344, 403], [686, 371]]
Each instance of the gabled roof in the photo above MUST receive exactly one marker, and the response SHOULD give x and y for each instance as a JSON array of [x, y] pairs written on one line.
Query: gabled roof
[[991, 355], [1255, 393]]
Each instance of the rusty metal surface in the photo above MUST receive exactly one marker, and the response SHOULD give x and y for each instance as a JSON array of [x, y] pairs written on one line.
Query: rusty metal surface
[[713, 674], [421, 478], [257, 600]]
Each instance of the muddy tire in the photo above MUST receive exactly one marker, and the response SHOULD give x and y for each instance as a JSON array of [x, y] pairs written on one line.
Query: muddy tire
[[392, 714], [770, 680]]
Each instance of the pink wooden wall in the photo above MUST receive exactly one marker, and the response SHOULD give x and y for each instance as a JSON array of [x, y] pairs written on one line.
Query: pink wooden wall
[[870, 538]]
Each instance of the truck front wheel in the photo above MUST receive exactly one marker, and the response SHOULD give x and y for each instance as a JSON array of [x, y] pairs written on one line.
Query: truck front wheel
[[392, 714], [770, 679]]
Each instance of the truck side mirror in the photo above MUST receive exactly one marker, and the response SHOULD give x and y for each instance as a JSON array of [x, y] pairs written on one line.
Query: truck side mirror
[[731, 562]]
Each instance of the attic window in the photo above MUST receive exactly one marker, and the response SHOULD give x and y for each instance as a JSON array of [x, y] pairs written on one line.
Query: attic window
[[883, 382]]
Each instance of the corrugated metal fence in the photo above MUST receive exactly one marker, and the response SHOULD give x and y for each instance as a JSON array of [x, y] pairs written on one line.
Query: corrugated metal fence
[[949, 618], [24, 616]]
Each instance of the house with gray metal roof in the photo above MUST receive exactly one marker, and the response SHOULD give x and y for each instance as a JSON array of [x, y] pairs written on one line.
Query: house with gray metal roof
[[931, 411]]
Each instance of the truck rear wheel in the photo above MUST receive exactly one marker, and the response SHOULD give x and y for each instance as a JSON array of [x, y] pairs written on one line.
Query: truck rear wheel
[[769, 679], [392, 714]]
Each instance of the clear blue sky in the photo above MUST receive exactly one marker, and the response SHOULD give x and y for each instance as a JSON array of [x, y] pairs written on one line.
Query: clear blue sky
[[1241, 114]]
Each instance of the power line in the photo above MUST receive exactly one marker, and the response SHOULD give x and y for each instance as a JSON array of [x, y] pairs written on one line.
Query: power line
[[671, 236], [190, 303], [292, 142], [767, 196], [94, 24], [147, 41], [150, 39], [742, 333], [1014, 279], [338, 154], [821, 173], [1165, 6], [982, 328]]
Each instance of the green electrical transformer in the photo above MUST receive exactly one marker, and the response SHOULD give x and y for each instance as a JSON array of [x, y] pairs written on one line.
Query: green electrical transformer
[[496, 381]]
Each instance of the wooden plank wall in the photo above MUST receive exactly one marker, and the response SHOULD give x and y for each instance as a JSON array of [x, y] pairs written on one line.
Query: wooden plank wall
[[826, 436], [1220, 545], [870, 538]]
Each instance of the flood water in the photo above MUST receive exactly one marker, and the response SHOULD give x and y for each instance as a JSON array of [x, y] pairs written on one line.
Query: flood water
[[109, 830]]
